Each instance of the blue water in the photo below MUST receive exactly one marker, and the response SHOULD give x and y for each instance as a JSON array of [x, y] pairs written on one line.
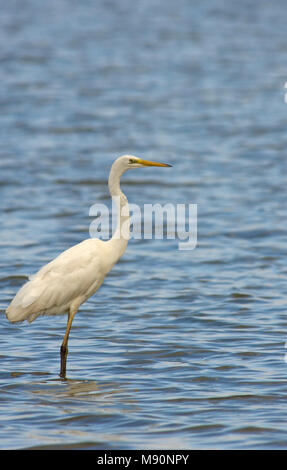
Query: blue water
[[178, 349]]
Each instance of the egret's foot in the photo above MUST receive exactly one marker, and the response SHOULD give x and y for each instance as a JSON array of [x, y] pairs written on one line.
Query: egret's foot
[[64, 354]]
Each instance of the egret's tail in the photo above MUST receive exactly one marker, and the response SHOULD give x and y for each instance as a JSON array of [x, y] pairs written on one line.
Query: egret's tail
[[15, 314], [20, 308]]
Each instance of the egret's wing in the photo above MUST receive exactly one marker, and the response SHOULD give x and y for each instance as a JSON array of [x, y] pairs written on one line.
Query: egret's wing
[[74, 274]]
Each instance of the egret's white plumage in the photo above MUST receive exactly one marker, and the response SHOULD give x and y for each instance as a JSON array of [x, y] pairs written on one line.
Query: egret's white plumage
[[62, 285], [70, 278]]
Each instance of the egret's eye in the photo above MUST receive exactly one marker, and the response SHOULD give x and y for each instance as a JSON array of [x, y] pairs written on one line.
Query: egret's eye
[[132, 160]]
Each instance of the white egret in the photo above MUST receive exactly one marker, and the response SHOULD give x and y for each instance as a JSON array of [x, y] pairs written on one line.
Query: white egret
[[62, 285]]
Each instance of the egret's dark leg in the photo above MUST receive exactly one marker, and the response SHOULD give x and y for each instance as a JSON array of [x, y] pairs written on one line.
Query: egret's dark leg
[[64, 346]]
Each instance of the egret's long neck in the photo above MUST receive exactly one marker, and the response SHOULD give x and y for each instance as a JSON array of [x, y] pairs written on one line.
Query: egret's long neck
[[119, 240]]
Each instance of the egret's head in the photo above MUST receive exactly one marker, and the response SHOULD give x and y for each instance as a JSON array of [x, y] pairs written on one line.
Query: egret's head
[[124, 163], [136, 162]]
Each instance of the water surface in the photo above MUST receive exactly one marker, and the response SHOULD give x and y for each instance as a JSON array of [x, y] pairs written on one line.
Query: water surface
[[178, 349]]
